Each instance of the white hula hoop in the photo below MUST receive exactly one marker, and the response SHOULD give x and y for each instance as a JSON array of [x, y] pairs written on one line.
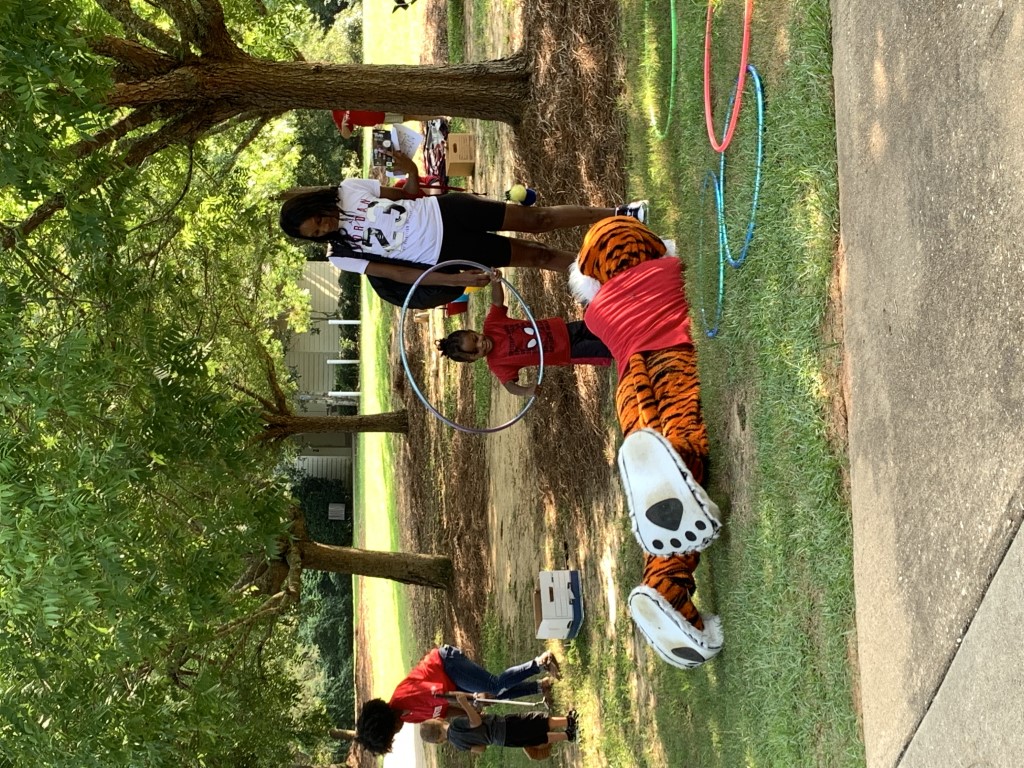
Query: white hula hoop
[[405, 359]]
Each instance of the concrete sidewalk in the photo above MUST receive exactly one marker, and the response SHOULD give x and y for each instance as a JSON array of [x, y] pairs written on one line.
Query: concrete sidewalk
[[930, 126]]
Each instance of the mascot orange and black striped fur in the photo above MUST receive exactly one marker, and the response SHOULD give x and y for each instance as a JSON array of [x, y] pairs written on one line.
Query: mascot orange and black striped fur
[[632, 283]]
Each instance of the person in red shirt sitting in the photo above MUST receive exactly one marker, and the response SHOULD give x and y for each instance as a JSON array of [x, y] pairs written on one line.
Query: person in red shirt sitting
[[427, 692], [510, 345], [348, 120]]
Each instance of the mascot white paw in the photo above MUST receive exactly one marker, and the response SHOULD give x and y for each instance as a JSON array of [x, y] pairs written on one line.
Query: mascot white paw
[[670, 512], [671, 636]]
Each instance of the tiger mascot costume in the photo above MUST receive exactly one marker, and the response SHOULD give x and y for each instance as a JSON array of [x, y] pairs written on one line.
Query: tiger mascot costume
[[632, 283]]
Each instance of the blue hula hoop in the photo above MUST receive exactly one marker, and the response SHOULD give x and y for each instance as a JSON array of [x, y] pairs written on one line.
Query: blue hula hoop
[[405, 358], [710, 330], [723, 236]]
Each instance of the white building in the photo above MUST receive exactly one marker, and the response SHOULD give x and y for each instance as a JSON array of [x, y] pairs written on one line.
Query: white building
[[320, 455]]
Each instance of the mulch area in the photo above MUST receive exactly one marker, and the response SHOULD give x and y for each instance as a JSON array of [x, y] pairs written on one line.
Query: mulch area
[[570, 144]]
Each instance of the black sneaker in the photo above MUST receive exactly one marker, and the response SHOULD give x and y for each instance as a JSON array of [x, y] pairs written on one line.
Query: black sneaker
[[638, 209], [572, 721]]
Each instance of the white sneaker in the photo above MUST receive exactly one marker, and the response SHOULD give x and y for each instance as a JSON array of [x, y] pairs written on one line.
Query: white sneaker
[[638, 210]]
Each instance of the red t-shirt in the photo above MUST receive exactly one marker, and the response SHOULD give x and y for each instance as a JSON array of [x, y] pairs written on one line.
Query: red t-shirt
[[357, 117], [420, 694], [515, 346], [641, 309]]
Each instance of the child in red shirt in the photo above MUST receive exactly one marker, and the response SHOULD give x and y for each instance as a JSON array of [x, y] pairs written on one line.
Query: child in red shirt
[[426, 691], [511, 345]]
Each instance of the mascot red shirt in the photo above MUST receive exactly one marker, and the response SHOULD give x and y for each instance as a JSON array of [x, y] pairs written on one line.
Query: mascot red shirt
[[515, 343], [641, 309]]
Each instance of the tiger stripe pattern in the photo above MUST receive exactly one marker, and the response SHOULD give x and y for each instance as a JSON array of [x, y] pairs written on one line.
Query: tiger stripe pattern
[[662, 392], [672, 578], [615, 244]]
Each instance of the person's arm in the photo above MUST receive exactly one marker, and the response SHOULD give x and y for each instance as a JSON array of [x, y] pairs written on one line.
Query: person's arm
[[497, 290], [409, 275], [518, 389], [470, 710], [397, 193]]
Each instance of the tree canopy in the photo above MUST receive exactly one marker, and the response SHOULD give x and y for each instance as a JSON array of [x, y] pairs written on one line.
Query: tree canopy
[[144, 286], [130, 491]]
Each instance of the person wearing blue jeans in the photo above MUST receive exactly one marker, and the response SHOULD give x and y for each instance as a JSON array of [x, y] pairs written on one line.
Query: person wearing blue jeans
[[426, 692], [470, 677]]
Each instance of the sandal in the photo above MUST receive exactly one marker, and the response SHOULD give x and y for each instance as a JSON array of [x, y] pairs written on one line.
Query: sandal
[[550, 663]]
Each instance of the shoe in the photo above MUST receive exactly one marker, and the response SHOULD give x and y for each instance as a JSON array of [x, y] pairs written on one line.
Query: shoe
[[572, 718], [550, 664], [546, 685], [638, 209]]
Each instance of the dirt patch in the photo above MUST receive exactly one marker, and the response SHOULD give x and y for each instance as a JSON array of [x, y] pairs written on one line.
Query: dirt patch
[[492, 503], [837, 365]]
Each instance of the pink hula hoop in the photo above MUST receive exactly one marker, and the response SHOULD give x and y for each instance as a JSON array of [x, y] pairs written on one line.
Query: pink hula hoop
[[748, 12]]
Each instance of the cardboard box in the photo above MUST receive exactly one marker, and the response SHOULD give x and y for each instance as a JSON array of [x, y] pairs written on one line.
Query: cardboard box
[[558, 605], [460, 169], [461, 148]]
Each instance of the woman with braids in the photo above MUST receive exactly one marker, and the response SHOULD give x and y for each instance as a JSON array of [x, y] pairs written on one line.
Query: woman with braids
[[427, 692], [396, 234]]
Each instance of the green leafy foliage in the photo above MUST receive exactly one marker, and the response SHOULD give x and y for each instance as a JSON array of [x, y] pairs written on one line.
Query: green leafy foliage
[[132, 489]]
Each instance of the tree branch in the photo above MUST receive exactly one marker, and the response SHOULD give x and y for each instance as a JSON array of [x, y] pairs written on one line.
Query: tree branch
[[136, 25], [136, 119], [183, 17], [134, 61], [215, 40], [276, 604], [181, 196], [186, 128], [267, 405]]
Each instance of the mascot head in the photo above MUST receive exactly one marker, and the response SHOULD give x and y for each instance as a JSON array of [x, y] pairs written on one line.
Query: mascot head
[[611, 246]]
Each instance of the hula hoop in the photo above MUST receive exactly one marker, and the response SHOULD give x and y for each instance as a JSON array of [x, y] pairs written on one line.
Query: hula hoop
[[405, 358], [708, 119], [662, 135], [723, 236], [710, 331]]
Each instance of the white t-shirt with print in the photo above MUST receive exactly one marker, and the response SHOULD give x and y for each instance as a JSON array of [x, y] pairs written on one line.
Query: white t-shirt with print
[[409, 230]]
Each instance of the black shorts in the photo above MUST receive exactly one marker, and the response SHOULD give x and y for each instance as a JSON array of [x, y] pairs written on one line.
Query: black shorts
[[529, 730], [469, 223]]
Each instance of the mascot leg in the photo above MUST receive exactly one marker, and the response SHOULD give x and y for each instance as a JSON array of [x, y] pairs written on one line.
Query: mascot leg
[[662, 392]]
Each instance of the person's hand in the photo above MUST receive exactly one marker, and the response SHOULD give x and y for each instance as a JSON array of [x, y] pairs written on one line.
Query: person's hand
[[496, 277], [404, 163], [473, 278]]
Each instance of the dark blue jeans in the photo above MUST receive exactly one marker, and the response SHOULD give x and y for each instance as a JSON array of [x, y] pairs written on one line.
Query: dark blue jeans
[[470, 677]]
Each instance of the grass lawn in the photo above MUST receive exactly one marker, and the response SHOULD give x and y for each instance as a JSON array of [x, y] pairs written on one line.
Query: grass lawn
[[780, 693]]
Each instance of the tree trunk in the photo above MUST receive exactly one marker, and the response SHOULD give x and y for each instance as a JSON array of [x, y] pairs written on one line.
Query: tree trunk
[[489, 90], [280, 426], [424, 570]]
